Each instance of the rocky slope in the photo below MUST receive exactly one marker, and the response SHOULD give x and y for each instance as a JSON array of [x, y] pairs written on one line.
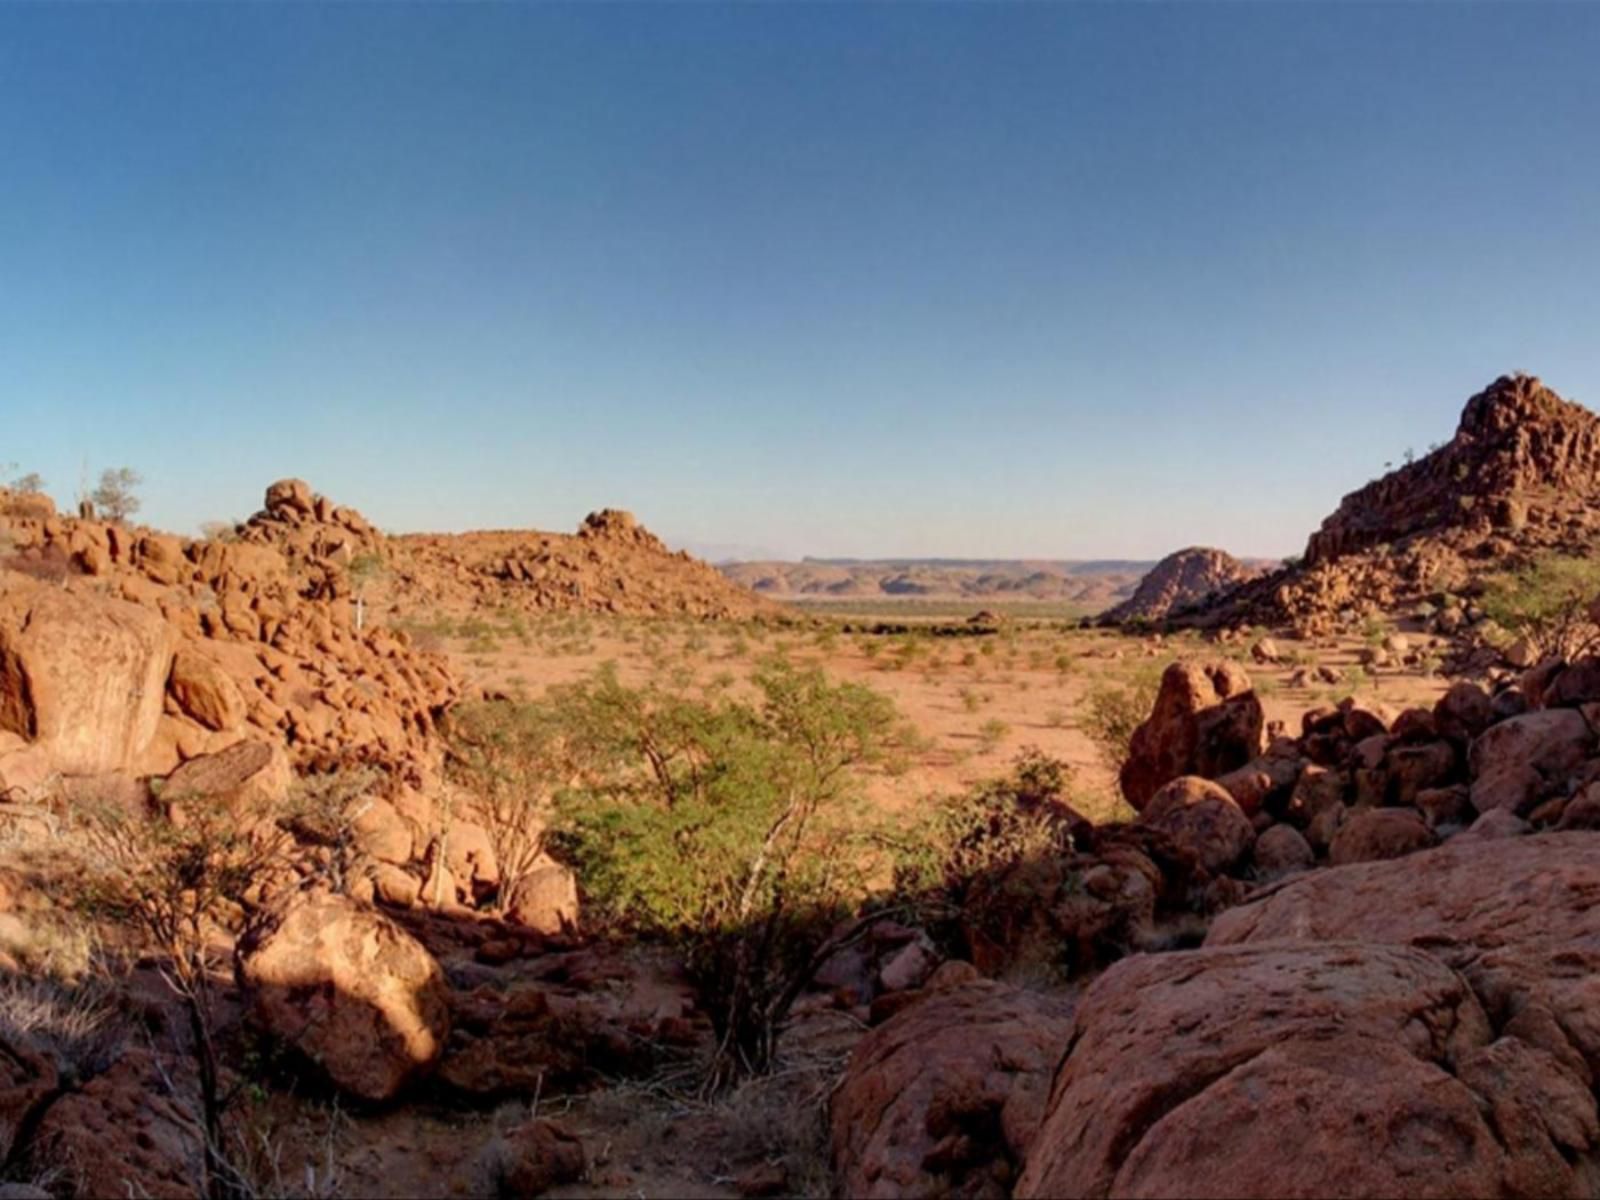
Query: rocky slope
[[1405, 945], [1183, 580], [254, 637], [1520, 478], [612, 564]]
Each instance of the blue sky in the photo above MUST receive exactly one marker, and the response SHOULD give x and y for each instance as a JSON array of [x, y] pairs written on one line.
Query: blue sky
[[1044, 280]]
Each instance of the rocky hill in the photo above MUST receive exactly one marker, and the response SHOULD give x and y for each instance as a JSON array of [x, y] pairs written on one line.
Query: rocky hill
[[612, 564], [1181, 581], [248, 638], [1520, 478]]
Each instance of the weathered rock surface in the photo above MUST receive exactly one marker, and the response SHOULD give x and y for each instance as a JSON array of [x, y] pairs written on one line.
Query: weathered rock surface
[[123, 1134], [1516, 916], [27, 1079], [1202, 818], [943, 1099], [1517, 762], [350, 990], [1188, 1075], [1379, 833], [1206, 721], [82, 676], [1180, 581], [247, 778]]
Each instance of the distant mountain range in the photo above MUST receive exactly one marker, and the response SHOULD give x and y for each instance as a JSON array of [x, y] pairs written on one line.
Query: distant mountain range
[[1092, 584]]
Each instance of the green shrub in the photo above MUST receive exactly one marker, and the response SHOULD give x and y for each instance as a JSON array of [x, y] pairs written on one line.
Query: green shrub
[[982, 834], [1547, 602], [991, 733], [1113, 711], [727, 826], [505, 755]]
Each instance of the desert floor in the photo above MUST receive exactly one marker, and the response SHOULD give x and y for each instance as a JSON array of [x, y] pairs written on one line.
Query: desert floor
[[976, 700]]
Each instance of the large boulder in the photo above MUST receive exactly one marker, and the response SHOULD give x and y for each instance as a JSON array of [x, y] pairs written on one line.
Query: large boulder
[[1517, 762], [1206, 721], [82, 676], [1516, 916], [1282, 850], [545, 899], [204, 691], [1201, 817], [944, 1098], [350, 990], [1299, 1070], [1378, 833], [247, 778]]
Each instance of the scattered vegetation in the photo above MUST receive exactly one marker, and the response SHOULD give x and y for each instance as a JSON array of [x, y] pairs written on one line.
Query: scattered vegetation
[[728, 826], [175, 881], [507, 756], [1112, 711], [116, 496], [1549, 603]]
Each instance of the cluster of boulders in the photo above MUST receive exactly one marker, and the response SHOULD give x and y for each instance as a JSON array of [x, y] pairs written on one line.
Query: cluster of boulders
[[1390, 993], [160, 650], [217, 671], [1360, 782]]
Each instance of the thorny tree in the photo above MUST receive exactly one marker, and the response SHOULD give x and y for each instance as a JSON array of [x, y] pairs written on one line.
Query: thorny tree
[[179, 880], [729, 826]]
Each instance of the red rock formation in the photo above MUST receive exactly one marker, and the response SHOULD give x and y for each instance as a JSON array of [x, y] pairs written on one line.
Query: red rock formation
[[1519, 447], [944, 1098], [1181, 581], [1206, 721], [1520, 477]]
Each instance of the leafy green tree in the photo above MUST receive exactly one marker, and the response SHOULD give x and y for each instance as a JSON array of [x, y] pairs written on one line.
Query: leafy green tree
[[728, 826], [507, 757], [1553, 602]]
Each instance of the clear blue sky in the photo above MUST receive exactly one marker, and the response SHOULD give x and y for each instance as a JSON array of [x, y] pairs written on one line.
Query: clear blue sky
[[1065, 281]]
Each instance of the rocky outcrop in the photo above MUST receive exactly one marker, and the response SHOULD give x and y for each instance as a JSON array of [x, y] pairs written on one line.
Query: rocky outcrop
[[1520, 478], [350, 990], [82, 677], [612, 565], [1192, 1074], [1518, 447], [1184, 580], [1206, 721], [255, 636], [944, 1098]]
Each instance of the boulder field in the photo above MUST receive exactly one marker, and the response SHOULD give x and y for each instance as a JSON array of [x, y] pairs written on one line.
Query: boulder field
[[1393, 990], [214, 672]]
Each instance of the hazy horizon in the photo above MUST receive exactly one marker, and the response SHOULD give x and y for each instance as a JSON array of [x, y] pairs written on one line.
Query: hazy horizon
[[982, 281]]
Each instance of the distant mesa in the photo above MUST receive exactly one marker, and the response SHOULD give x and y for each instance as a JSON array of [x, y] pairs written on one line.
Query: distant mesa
[[1089, 586], [1184, 580]]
